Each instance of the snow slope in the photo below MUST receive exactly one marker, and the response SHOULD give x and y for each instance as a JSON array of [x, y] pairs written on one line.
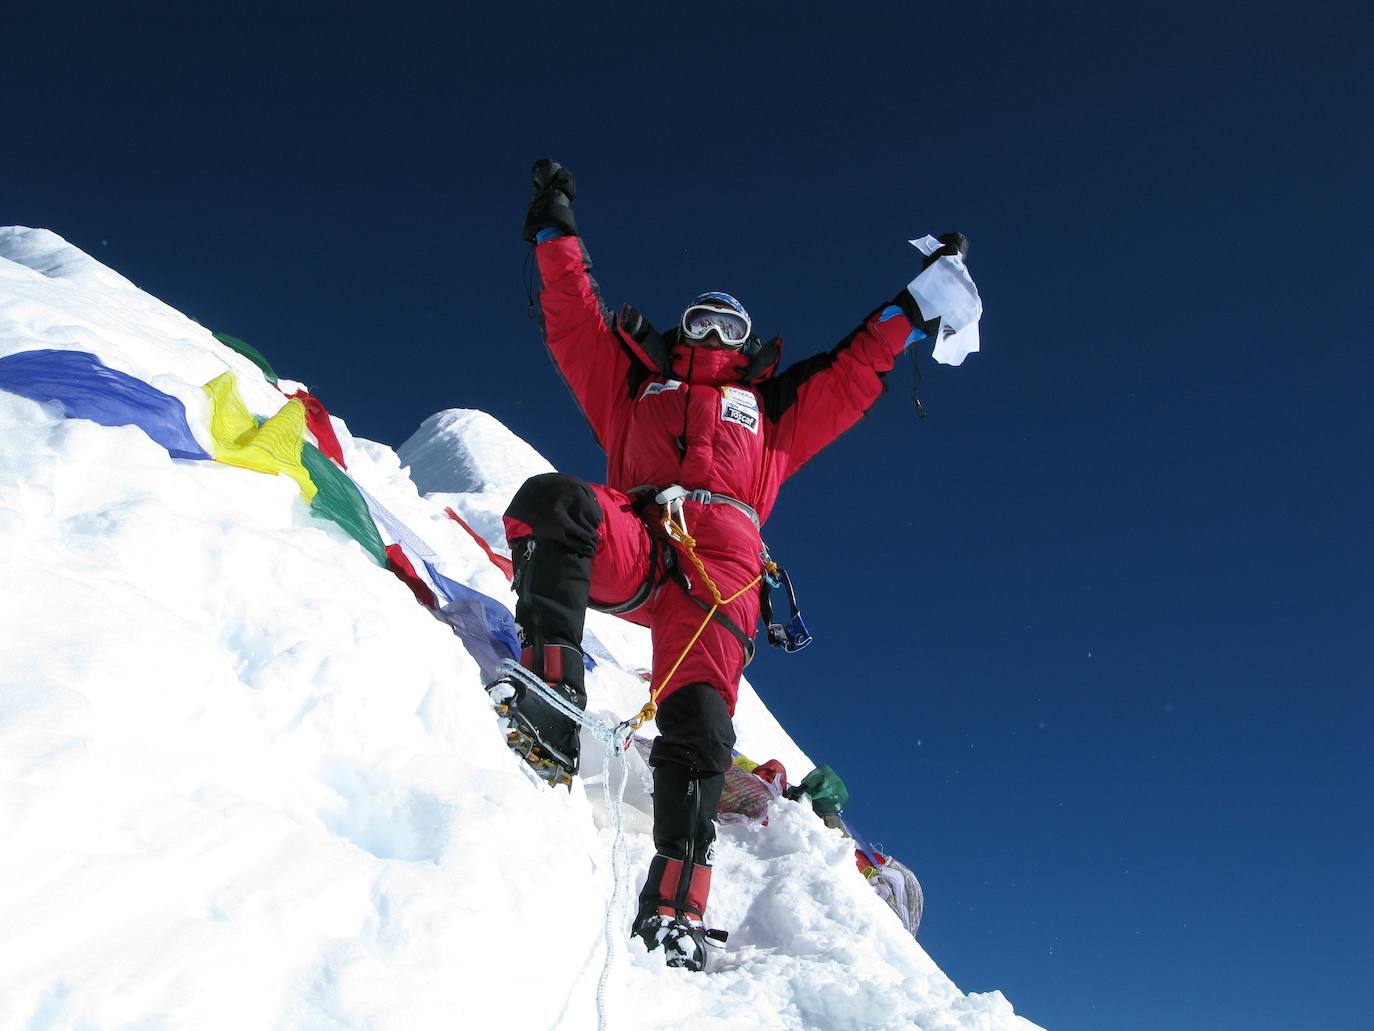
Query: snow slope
[[246, 781]]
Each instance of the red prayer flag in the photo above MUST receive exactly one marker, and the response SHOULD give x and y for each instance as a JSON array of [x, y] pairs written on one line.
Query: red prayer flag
[[499, 561], [399, 563], [317, 419]]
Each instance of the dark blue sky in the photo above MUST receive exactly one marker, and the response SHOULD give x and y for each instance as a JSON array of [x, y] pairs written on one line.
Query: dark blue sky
[[1092, 639]]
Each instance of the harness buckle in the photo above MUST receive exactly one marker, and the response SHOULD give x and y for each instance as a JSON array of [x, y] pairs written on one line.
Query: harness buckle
[[671, 498]]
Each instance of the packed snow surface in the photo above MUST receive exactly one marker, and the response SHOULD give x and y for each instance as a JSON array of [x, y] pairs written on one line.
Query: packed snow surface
[[246, 781]]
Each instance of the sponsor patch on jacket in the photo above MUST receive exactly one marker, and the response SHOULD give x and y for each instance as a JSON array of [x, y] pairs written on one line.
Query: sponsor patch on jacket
[[659, 388], [739, 406]]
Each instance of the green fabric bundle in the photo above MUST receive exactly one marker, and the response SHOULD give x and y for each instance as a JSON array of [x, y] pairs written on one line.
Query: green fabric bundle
[[827, 792]]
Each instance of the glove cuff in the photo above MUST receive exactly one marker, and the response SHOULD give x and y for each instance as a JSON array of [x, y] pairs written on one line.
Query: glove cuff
[[913, 312], [550, 210]]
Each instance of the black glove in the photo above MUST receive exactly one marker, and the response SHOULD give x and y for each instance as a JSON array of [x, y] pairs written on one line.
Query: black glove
[[955, 245], [551, 200]]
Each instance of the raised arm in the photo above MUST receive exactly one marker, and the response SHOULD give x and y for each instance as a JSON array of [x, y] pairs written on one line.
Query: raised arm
[[817, 399], [577, 326]]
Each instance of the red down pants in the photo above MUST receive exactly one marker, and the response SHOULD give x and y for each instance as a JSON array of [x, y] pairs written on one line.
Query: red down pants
[[591, 548]]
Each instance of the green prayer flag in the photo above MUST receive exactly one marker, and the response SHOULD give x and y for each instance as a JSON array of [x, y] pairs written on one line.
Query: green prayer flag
[[338, 499], [250, 352]]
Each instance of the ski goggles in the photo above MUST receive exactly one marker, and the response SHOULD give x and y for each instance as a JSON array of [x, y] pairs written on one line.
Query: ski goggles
[[701, 320]]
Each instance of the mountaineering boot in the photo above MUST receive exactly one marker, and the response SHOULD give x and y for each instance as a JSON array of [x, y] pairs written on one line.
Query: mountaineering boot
[[670, 912], [683, 940], [551, 579], [535, 729], [672, 903], [666, 894]]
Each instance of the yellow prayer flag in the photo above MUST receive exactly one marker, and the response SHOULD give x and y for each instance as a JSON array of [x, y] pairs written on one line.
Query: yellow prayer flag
[[273, 447]]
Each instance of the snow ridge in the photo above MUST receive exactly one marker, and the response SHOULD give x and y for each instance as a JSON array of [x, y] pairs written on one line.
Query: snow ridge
[[246, 781]]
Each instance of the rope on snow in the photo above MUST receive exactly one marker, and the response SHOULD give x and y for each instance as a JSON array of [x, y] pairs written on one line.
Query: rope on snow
[[615, 739]]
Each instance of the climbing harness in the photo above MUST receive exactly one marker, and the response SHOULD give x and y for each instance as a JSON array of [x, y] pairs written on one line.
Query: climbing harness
[[663, 565], [673, 498], [674, 525]]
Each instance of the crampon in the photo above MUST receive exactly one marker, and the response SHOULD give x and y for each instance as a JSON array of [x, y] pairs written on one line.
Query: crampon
[[534, 727]]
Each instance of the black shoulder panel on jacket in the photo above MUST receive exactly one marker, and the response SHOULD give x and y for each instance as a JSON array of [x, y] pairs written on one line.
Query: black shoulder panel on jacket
[[765, 362], [780, 393], [647, 349]]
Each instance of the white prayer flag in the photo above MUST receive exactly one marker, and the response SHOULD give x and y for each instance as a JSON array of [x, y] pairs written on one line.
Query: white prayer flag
[[946, 291]]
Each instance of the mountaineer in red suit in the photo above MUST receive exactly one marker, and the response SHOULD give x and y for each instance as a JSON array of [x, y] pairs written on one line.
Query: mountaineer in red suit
[[694, 421]]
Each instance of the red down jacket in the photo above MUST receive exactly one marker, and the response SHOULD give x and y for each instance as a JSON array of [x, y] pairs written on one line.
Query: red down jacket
[[743, 431]]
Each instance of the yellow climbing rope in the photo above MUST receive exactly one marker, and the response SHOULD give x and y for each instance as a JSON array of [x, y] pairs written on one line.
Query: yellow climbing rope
[[678, 533]]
